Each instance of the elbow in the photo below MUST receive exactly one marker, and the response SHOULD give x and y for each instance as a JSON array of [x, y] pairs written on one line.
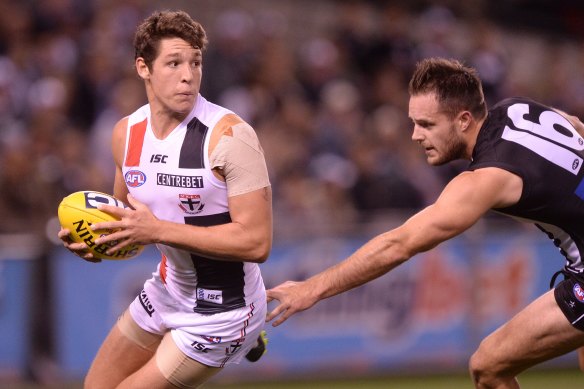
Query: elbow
[[259, 251], [263, 251]]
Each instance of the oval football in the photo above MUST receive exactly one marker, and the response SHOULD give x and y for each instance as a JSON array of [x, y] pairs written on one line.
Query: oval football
[[78, 211]]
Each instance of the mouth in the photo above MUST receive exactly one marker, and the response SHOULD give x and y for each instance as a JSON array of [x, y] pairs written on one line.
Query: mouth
[[430, 152], [427, 149]]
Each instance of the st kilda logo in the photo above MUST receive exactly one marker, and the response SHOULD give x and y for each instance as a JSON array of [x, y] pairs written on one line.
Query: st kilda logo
[[191, 203]]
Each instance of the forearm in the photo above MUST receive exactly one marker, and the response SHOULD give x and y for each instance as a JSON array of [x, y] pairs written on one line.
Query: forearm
[[228, 242], [374, 259]]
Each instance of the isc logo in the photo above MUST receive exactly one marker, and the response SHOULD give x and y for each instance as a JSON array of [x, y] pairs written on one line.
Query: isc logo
[[135, 178], [158, 158]]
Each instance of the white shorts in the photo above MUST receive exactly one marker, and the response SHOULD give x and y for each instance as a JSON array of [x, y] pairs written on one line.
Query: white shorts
[[213, 340]]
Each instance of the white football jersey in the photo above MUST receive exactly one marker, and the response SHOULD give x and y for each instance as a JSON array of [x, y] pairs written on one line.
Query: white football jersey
[[172, 176]]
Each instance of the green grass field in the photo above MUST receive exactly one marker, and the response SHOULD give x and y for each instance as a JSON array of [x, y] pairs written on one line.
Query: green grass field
[[536, 379], [540, 379]]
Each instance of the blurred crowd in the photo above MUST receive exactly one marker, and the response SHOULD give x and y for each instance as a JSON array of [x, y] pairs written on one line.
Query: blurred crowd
[[324, 83]]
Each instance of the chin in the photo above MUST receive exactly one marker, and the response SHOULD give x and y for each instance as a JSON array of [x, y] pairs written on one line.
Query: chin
[[436, 161], [184, 109]]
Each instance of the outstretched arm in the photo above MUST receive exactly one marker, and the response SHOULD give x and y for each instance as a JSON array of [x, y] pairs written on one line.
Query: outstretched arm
[[464, 200]]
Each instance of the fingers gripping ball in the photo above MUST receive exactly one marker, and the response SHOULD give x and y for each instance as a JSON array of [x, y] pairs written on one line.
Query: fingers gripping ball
[[78, 211]]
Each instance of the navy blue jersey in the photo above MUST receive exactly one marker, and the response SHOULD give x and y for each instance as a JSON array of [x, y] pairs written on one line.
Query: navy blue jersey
[[539, 145]]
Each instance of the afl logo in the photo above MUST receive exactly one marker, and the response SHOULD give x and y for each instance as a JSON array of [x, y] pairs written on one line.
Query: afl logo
[[135, 178], [578, 292], [575, 164]]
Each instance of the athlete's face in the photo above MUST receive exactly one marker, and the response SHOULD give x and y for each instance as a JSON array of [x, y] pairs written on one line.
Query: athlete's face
[[435, 131], [174, 81]]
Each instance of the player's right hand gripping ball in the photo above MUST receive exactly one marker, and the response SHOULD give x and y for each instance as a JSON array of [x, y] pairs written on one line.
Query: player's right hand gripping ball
[[78, 211]]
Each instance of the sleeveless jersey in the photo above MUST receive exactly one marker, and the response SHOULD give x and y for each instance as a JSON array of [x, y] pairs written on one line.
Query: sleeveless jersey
[[172, 176], [541, 146]]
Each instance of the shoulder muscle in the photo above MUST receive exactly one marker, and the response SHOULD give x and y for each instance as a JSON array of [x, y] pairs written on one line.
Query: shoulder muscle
[[460, 205]]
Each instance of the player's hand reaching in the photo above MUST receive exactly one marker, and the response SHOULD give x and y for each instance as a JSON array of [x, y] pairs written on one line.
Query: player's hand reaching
[[293, 297], [135, 226], [79, 249]]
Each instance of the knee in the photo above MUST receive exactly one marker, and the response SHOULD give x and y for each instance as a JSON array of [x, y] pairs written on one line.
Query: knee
[[486, 371], [478, 368]]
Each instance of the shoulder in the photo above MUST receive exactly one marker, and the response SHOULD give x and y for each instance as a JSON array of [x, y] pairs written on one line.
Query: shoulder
[[223, 120], [488, 187], [504, 104], [121, 126], [139, 115], [231, 126]]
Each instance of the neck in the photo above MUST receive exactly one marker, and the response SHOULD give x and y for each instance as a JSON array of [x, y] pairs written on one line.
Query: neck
[[473, 134], [163, 123]]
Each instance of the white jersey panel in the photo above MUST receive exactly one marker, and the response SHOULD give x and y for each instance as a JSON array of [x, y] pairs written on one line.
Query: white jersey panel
[[172, 176]]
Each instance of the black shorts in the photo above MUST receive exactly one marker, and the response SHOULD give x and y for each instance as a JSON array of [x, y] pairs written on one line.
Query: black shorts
[[569, 296]]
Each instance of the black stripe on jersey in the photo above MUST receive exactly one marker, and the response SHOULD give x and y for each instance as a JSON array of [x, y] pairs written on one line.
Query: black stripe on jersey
[[228, 277], [193, 148]]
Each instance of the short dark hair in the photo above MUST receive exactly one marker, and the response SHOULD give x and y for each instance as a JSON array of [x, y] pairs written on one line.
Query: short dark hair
[[457, 87], [166, 24]]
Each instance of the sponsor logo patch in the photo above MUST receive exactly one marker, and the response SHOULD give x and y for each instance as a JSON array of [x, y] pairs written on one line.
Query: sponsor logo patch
[[212, 296], [135, 178], [578, 292], [179, 181], [143, 297], [158, 158]]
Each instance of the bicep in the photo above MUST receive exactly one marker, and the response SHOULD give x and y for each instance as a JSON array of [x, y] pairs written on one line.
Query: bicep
[[253, 210], [462, 203], [251, 215]]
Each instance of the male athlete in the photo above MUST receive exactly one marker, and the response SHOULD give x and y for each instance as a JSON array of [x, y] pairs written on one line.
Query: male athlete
[[195, 176], [526, 161]]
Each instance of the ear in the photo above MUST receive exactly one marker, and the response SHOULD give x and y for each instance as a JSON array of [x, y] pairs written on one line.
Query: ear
[[464, 120], [142, 68]]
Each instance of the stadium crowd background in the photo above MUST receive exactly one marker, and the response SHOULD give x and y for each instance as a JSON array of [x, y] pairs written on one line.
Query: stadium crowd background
[[324, 83]]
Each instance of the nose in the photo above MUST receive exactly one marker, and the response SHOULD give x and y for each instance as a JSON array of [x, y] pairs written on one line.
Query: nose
[[417, 134], [186, 73]]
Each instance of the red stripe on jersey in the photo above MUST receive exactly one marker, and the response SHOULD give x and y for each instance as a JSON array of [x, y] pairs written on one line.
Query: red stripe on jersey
[[136, 141], [163, 269]]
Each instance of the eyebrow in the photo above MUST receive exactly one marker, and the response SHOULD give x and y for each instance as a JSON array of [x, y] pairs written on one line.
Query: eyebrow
[[174, 55], [423, 122]]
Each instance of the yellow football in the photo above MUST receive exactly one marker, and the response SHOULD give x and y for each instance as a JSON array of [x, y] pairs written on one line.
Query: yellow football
[[78, 211]]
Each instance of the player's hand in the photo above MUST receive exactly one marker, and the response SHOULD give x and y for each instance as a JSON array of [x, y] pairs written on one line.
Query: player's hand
[[293, 297], [79, 249], [135, 226]]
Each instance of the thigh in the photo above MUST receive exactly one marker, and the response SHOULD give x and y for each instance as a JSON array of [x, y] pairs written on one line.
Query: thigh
[[169, 368], [120, 355], [539, 332]]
